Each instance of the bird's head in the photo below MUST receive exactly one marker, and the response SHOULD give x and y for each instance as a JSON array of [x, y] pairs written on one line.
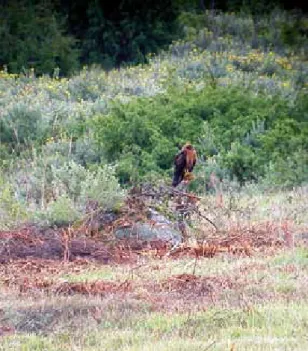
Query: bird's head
[[188, 146]]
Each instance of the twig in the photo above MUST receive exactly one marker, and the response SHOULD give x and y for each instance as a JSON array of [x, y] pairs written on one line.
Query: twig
[[172, 191], [210, 345], [207, 219], [184, 194], [195, 265]]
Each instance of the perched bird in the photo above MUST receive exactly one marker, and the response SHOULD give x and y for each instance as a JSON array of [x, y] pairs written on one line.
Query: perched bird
[[184, 164]]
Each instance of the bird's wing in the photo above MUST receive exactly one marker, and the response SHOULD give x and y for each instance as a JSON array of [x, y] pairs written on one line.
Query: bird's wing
[[179, 168], [180, 159]]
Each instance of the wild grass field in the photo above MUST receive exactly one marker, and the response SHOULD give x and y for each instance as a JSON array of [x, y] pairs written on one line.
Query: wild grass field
[[242, 287], [236, 87]]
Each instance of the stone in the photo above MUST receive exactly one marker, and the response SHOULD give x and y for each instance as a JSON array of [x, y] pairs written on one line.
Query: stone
[[148, 232]]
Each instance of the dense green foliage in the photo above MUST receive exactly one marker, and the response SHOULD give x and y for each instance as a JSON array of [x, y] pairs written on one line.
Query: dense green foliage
[[239, 95], [32, 36], [49, 35], [63, 35], [249, 133]]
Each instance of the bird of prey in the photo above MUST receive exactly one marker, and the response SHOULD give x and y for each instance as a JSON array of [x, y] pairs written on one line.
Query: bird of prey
[[184, 164]]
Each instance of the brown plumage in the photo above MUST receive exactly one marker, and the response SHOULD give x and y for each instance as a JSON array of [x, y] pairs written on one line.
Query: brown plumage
[[184, 164]]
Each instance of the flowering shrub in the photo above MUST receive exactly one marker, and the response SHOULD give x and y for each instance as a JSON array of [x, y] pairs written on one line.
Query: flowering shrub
[[240, 99]]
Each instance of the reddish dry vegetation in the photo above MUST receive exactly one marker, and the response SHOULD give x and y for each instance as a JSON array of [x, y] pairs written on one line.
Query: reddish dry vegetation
[[34, 259], [6, 330], [34, 262], [64, 245]]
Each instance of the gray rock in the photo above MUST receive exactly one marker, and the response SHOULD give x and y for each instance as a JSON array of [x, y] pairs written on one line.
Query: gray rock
[[158, 218], [149, 232]]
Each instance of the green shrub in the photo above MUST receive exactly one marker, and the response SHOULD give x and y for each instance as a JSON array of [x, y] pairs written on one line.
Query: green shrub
[[68, 179], [59, 191], [102, 187], [240, 161], [12, 212], [251, 28], [126, 32], [246, 130], [285, 137], [82, 185], [244, 122], [61, 211], [32, 37], [22, 125], [287, 172]]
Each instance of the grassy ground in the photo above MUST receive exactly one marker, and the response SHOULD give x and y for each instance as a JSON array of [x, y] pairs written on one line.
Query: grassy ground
[[236, 300], [228, 302]]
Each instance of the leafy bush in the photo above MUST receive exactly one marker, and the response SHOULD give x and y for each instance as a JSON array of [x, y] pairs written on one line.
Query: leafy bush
[[247, 131], [32, 36], [59, 191], [21, 126], [287, 172], [82, 185], [245, 110], [12, 212], [68, 180], [125, 32], [61, 211], [240, 161], [279, 30], [102, 187]]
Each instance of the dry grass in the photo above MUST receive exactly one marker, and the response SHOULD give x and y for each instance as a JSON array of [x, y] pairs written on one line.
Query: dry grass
[[257, 302], [242, 287]]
